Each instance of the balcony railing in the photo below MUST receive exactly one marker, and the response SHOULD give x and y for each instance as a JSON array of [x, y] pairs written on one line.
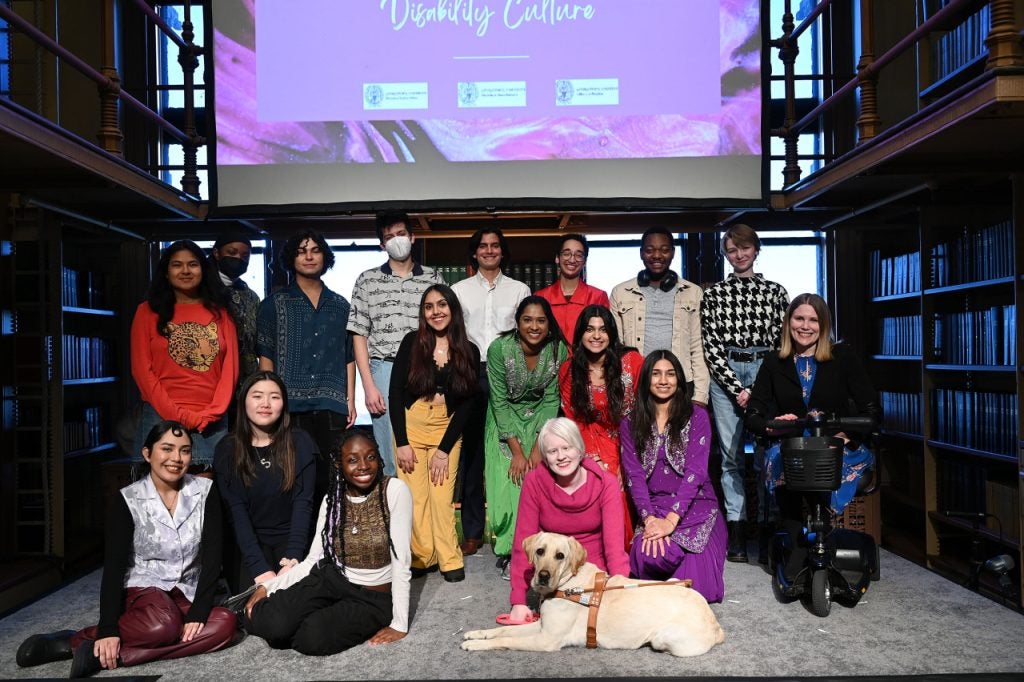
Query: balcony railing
[[113, 101], [1002, 41]]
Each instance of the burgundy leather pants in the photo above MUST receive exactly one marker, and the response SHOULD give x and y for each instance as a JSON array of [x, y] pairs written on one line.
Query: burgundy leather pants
[[151, 627]]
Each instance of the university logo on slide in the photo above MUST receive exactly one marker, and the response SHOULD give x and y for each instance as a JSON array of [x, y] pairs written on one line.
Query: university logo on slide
[[564, 91], [373, 95], [468, 94]]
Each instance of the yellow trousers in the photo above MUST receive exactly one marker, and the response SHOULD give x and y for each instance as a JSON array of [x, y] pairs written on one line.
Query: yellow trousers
[[434, 540]]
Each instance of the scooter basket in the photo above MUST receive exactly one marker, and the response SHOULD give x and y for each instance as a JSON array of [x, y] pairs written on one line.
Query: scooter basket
[[812, 463]]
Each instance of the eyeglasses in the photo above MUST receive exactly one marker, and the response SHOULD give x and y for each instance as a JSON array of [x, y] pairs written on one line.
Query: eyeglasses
[[571, 255]]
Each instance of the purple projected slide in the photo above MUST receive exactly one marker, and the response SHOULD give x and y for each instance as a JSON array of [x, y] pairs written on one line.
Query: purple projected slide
[[469, 59], [401, 81]]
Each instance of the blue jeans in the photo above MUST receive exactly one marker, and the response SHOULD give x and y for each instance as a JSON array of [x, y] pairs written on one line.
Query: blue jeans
[[380, 370], [203, 444], [729, 427]]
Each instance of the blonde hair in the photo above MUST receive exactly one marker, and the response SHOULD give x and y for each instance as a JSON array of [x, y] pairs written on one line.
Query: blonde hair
[[565, 429], [823, 351]]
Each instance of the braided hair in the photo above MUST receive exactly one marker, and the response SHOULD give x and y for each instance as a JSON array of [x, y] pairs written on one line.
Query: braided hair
[[333, 535]]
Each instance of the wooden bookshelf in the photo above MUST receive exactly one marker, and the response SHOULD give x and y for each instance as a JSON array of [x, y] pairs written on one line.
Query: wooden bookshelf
[[67, 391], [950, 380]]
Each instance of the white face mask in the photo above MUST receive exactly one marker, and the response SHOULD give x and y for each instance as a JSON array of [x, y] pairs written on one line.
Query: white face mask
[[399, 247]]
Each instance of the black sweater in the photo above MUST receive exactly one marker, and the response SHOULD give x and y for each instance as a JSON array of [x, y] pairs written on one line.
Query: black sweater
[[262, 512], [401, 398]]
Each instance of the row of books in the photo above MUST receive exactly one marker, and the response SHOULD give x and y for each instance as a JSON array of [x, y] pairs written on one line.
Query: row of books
[[976, 255], [83, 289], [895, 274], [534, 275], [977, 337], [901, 411], [961, 485], [85, 432], [87, 357], [978, 420], [899, 335], [961, 45]]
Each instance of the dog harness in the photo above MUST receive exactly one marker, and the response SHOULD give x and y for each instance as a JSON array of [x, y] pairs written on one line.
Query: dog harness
[[591, 598]]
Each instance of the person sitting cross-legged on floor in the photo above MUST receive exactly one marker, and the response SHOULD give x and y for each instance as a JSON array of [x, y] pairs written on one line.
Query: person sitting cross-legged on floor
[[353, 585], [163, 549]]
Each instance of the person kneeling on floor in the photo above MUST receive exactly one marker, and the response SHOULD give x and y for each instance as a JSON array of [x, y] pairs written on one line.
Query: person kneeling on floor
[[163, 553], [353, 585]]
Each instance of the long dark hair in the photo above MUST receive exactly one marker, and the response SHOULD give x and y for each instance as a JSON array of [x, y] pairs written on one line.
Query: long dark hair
[[554, 331], [579, 393], [161, 297], [421, 364], [679, 409], [333, 535], [282, 448]]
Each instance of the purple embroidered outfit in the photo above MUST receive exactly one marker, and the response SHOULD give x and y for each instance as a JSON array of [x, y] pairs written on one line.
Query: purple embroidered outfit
[[664, 479]]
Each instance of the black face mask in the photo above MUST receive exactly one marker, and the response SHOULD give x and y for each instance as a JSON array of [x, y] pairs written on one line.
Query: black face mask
[[232, 267]]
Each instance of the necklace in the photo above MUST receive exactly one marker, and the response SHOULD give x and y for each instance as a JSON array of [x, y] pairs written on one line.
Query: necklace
[[441, 351], [170, 507]]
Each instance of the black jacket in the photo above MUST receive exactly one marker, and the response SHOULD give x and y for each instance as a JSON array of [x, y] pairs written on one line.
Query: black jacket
[[840, 388]]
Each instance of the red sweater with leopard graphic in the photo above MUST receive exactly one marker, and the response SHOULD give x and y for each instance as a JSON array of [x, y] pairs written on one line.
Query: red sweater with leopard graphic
[[190, 374]]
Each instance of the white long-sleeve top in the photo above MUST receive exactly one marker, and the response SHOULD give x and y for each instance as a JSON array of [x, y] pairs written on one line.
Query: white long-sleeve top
[[399, 501]]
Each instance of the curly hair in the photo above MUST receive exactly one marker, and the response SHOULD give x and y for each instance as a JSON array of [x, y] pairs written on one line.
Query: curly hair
[[290, 251]]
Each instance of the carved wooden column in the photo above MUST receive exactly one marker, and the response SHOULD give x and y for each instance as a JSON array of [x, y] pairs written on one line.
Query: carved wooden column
[[188, 57], [868, 123], [1004, 36], [788, 52], [109, 135]]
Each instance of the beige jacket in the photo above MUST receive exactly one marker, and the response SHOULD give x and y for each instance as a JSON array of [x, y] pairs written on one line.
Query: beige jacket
[[627, 305]]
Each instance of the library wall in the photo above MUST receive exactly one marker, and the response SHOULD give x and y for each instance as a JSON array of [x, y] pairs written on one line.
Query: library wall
[[941, 336]]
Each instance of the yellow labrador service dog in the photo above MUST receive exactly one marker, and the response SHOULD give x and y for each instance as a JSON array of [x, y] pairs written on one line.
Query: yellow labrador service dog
[[669, 616]]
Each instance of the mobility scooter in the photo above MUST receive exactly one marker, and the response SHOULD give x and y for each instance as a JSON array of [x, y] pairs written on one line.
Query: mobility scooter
[[840, 562]]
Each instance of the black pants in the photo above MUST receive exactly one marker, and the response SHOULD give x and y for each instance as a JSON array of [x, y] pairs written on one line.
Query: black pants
[[471, 463], [321, 614], [235, 570], [326, 428]]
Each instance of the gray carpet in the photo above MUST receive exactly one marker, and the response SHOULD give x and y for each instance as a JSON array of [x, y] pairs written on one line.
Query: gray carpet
[[911, 622]]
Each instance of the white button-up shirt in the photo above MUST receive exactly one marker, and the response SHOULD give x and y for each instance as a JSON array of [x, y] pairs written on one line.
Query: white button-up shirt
[[489, 309]]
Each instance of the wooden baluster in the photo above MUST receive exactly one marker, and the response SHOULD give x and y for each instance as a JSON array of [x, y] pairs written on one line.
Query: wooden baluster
[[1004, 36], [188, 57], [109, 135], [788, 52], [868, 122]]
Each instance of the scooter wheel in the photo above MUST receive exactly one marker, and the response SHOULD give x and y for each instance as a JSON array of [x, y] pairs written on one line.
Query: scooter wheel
[[821, 594]]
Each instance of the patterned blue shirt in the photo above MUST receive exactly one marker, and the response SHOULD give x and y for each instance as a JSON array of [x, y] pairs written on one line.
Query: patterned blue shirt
[[310, 347]]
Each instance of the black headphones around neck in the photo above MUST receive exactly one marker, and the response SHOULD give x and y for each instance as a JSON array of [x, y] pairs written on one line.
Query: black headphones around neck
[[668, 281]]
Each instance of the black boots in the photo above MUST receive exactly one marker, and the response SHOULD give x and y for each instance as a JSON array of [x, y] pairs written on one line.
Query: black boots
[[47, 648], [737, 542], [85, 663]]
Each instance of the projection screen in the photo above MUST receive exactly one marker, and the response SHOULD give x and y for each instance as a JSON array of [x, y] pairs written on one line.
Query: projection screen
[[487, 102]]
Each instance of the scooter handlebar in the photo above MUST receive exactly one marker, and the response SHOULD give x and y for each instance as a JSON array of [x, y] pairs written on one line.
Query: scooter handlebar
[[827, 422]]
